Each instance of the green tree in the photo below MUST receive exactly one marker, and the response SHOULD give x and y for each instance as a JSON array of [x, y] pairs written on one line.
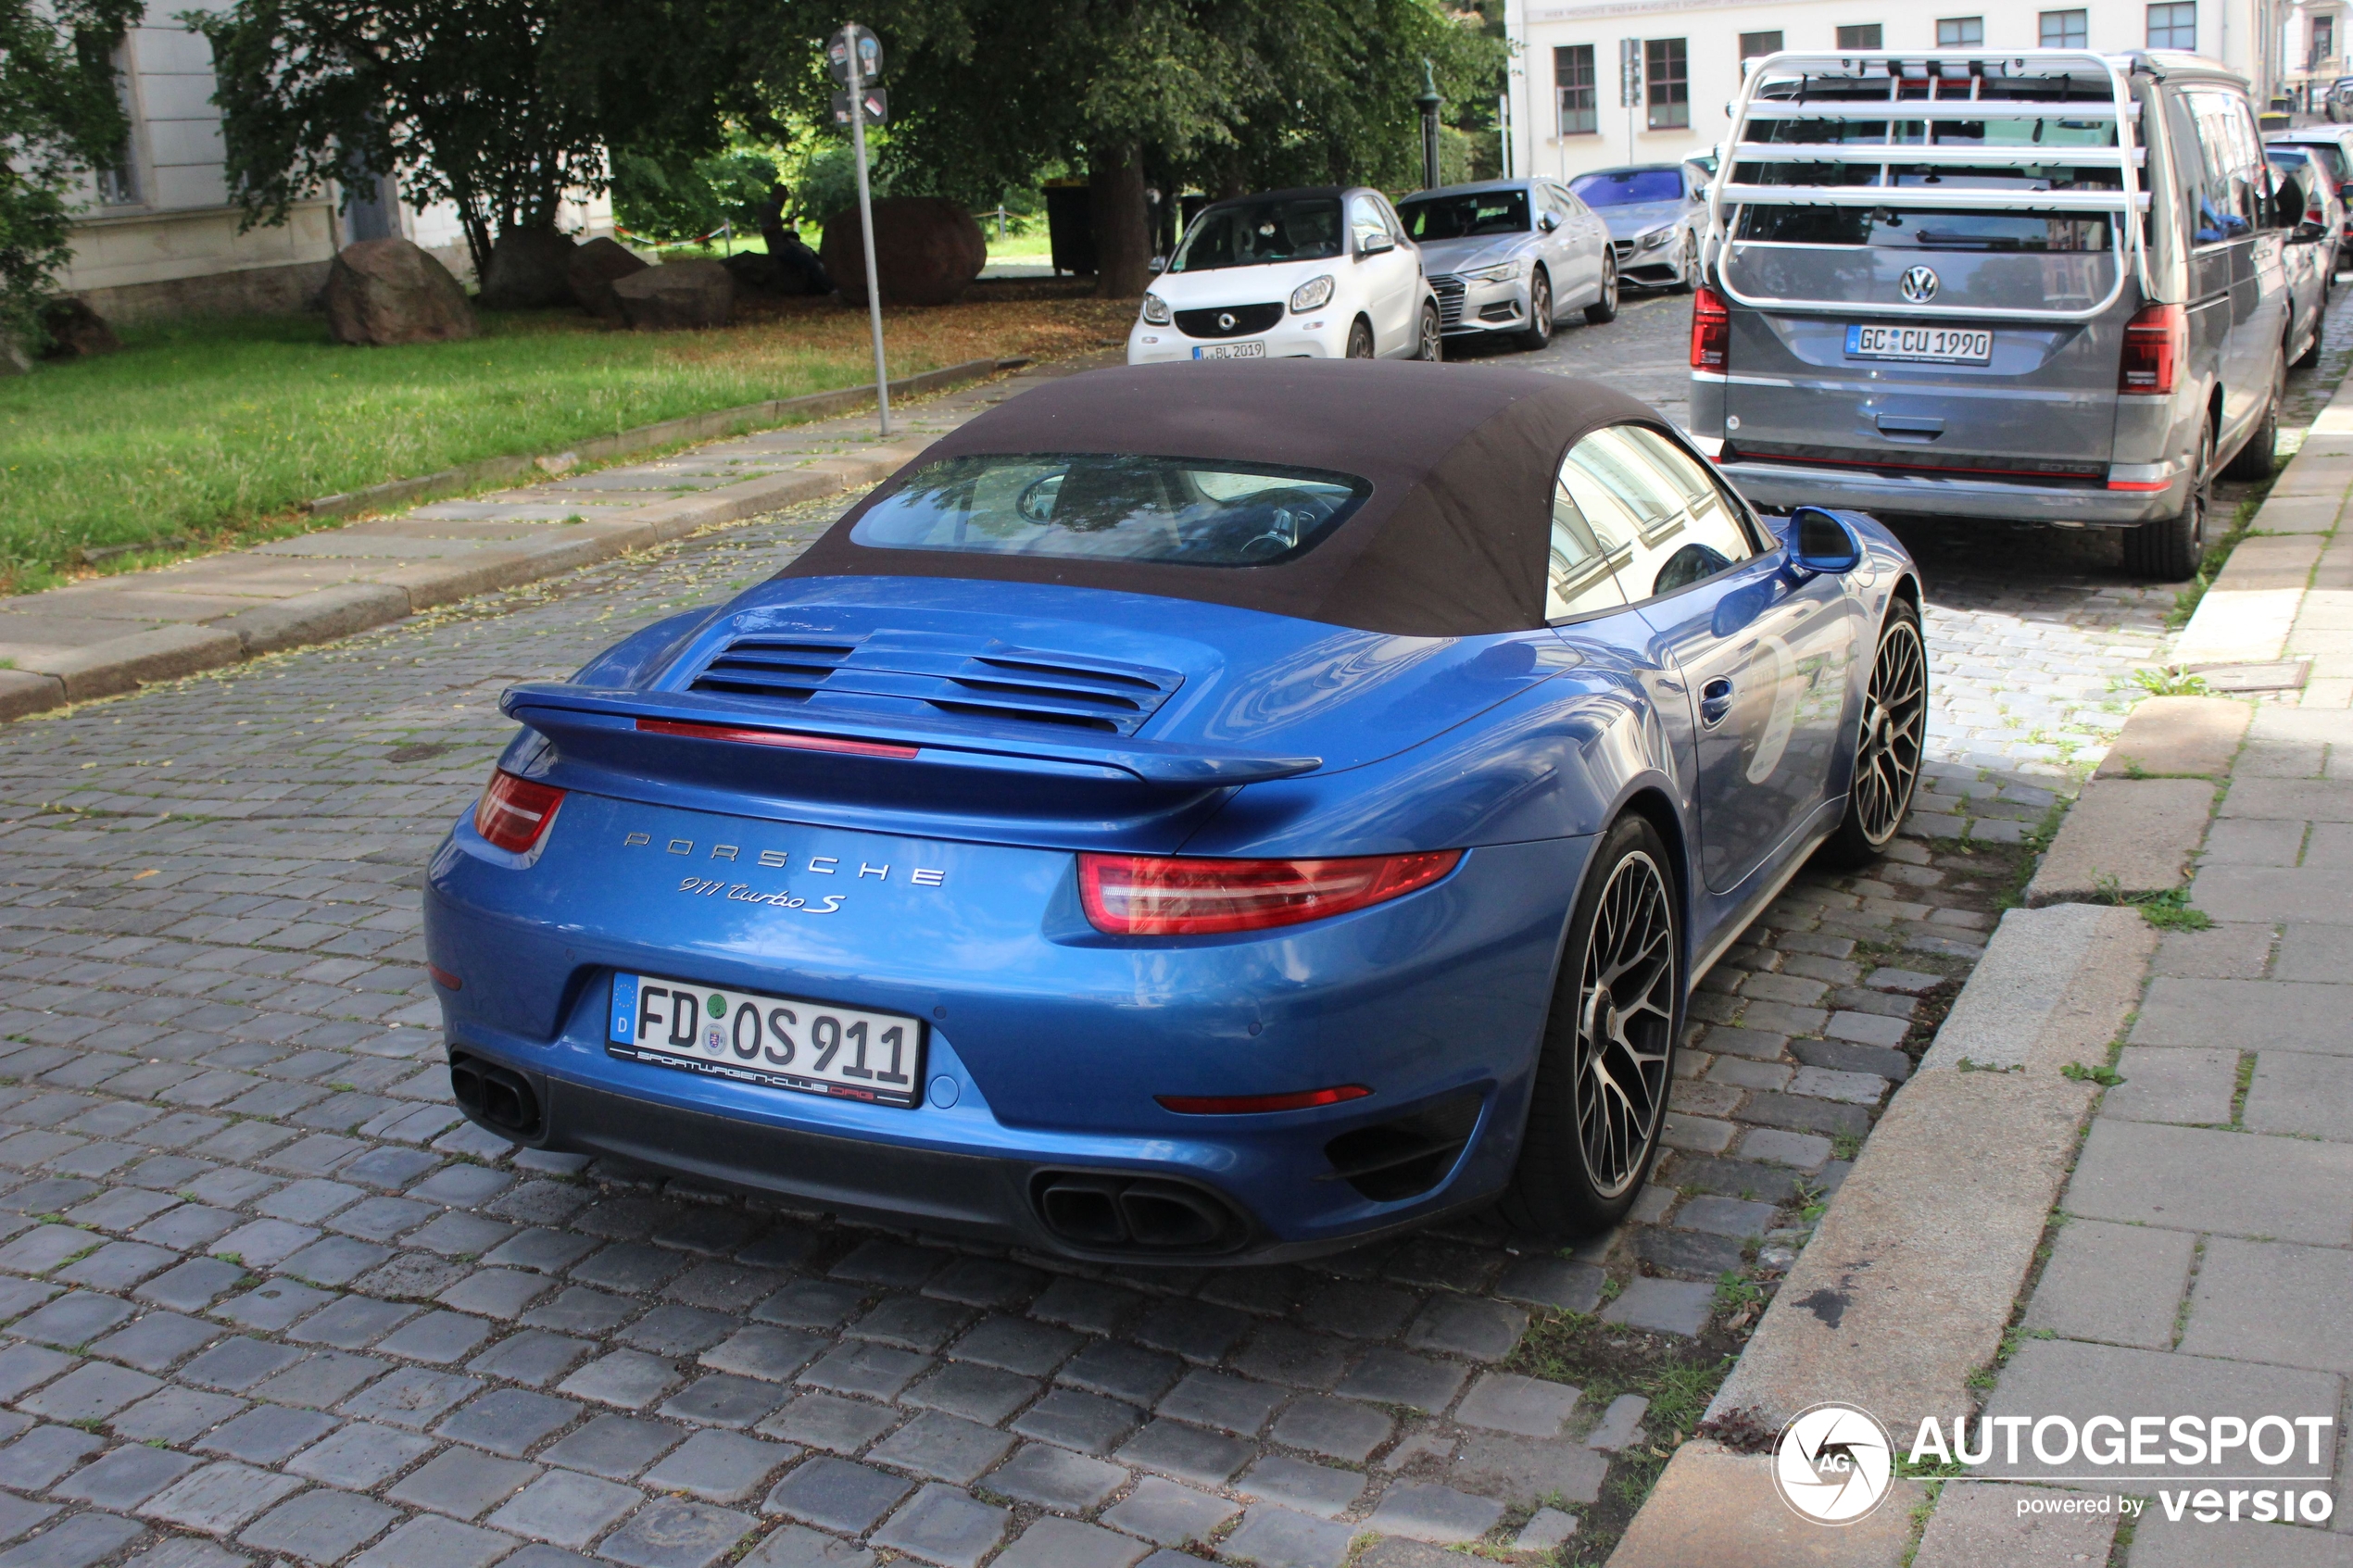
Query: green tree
[[500, 106], [60, 117], [684, 198]]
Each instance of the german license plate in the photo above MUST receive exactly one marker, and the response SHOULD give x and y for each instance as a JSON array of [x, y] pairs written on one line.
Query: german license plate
[[1943, 345], [815, 1047], [1230, 351]]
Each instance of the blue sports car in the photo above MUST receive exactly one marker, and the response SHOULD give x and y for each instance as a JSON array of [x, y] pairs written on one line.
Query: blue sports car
[[1215, 813]]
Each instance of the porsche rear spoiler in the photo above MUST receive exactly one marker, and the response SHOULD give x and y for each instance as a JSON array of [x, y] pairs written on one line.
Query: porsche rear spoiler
[[594, 719]]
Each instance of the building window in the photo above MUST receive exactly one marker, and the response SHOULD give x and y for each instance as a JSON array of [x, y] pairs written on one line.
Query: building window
[[2323, 42], [1573, 76], [1755, 44], [1668, 85], [1960, 33], [2066, 30], [119, 179], [1863, 36], [2173, 25]]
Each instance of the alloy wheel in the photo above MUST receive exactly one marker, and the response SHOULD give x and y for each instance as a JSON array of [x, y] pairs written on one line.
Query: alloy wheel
[[1432, 348], [1539, 311], [1625, 1024], [1887, 754]]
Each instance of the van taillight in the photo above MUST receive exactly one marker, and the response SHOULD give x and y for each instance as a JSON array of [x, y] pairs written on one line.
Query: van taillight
[[1711, 330], [2156, 342], [514, 812]]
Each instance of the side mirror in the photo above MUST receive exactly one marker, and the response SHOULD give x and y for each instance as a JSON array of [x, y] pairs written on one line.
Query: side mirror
[[1157, 264], [1548, 222], [1374, 244], [1821, 543]]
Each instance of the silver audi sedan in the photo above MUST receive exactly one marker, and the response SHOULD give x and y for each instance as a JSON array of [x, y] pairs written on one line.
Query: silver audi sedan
[[1510, 258]]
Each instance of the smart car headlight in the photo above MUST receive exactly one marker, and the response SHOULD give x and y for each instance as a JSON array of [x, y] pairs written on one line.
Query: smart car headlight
[[1501, 273], [1155, 310], [1313, 295]]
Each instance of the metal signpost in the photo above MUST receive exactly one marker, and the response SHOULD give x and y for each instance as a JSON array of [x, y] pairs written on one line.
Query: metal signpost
[[854, 57], [1629, 85]]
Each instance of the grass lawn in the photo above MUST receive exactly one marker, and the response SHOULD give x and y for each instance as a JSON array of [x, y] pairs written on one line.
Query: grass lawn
[[216, 429]]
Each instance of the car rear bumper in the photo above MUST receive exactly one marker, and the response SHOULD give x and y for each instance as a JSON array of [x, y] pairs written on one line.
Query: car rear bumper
[[1777, 487]]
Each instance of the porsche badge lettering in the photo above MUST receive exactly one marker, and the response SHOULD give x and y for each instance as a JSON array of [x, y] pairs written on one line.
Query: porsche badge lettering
[[776, 861]]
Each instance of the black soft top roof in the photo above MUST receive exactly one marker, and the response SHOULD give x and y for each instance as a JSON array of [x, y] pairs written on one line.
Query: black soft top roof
[[1452, 541]]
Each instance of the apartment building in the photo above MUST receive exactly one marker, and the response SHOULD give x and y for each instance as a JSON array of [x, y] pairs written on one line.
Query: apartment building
[[1599, 82]]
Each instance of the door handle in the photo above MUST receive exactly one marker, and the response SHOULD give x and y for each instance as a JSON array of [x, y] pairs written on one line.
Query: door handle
[[1715, 701]]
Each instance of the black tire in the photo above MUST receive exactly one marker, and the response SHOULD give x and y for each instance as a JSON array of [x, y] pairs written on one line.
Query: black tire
[[2172, 549], [2255, 460], [1540, 312], [1603, 311], [1360, 340], [1586, 1151], [1429, 342], [1889, 743], [1686, 266]]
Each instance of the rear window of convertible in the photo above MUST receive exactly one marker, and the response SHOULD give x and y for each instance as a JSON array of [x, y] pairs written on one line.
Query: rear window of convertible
[[1181, 511]]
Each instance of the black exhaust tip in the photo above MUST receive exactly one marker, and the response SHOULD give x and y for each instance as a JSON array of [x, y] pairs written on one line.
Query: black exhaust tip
[[1139, 1215], [496, 1097]]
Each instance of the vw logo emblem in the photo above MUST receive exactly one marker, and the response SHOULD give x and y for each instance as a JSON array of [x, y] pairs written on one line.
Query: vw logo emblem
[[1918, 285], [1226, 318]]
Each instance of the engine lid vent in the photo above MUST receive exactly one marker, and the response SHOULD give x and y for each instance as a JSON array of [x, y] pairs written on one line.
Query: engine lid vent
[[993, 681]]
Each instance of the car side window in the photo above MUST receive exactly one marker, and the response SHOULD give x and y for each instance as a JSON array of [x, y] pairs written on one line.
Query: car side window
[[1580, 578], [1364, 221], [2231, 176], [1654, 509]]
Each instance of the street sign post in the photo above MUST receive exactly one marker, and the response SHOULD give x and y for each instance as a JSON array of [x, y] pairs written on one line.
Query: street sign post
[[854, 56]]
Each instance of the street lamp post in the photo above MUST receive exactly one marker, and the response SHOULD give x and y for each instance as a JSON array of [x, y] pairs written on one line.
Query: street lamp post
[[1429, 103]]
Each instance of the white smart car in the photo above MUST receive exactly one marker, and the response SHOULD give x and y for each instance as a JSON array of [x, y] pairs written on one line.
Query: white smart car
[[1325, 274]]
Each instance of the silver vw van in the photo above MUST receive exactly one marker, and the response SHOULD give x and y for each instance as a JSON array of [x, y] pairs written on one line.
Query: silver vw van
[[2042, 287]]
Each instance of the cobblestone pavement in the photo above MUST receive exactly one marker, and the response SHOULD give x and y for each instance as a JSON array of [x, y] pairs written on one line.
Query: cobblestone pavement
[[267, 1297]]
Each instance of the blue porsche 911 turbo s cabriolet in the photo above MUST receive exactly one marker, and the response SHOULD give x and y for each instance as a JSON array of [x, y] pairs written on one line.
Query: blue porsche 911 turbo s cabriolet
[[1211, 812]]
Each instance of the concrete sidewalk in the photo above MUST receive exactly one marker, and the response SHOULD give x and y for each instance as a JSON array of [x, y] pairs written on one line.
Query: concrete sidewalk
[[2019, 1238], [113, 635]]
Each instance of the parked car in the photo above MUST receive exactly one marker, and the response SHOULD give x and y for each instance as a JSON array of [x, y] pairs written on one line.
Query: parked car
[[1657, 213], [2334, 152], [2338, 105], [1990, 329], [1512, 256], [1326, 274], [1216, 814], [2311, 252]]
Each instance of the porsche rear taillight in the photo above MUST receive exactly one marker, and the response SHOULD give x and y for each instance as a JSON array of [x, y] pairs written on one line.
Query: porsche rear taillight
[[2156, 342], [1711, 330], [514, 812], [1172, 895]]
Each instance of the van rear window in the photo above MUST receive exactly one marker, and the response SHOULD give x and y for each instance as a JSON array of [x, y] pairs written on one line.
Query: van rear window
[[1926, 229]]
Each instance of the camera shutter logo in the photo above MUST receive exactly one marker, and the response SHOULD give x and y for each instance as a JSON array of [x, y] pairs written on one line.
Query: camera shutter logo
[[1832, 1464], [1919, 284]]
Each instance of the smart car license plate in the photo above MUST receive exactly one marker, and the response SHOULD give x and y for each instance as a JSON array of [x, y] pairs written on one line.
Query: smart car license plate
[[1946, 345], [1230, 351], [815, 1047]]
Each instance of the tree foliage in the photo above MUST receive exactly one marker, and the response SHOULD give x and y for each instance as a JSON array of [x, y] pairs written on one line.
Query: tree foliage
[[678, 197], [61, 117]]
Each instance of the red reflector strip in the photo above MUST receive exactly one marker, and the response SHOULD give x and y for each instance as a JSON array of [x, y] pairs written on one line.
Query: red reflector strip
[[444, 978], [2138, 484], [1250, 1105], [777, 738]]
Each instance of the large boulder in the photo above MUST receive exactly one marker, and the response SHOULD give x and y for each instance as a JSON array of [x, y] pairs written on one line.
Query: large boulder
[[390, 291], [75, 331], [679, 295], [595, 268], [530, 270], [926, 251]]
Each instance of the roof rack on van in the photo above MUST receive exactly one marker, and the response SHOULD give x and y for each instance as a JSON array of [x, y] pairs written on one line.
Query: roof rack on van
[[1933, 88]]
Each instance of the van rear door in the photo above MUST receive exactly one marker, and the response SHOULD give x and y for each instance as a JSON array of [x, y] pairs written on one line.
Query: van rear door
[[1936, 263]]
